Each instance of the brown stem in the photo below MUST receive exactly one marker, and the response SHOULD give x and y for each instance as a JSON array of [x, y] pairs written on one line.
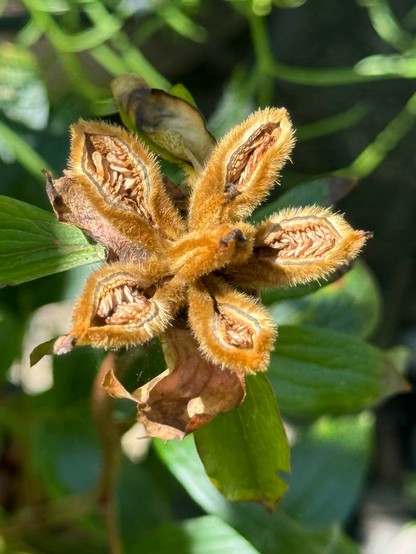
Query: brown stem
[[102, 411]]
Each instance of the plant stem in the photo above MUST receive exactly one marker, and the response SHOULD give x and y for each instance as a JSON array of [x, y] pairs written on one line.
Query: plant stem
[[264, 59], [102, 411], [372, 156]]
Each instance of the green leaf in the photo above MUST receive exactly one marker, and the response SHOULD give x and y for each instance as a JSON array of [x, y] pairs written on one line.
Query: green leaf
[[317, 372], [332, 124], [271, 296], [325, 489], [244, 450], [269, 533], [23, 95], [65, 455], [41, 350], [10, 340], [17, 148], [236, 104], [202, 535], [323, 192], [180, 91], [137, 518], [33, 244], [351, 304]]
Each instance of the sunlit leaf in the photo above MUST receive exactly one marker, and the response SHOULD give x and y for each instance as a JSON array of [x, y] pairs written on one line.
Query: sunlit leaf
[[316, 372], [23, 96], [269, 533], [351, 304], [244, 450], [403, 542], [202, 535], [323, 192], [329, 465], [33, 244]]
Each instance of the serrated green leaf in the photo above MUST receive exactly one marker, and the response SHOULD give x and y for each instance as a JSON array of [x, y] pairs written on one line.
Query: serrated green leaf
[[318, 372], [351, 304], [33, 244], [269, 533], [202, 535], [322, 192], [244, 450], [329, 464]]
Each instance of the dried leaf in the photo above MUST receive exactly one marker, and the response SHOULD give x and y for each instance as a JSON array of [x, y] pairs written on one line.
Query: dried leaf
[[173, 124], [187, 395], [72, 204]]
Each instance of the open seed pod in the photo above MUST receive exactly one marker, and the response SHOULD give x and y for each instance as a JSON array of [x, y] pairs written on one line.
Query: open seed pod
[[232, 329]]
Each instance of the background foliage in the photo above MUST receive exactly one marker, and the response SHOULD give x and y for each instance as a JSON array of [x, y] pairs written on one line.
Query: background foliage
[[347, 77]]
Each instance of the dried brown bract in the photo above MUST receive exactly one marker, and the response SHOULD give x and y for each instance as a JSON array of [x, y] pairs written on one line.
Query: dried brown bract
[[188, 271]]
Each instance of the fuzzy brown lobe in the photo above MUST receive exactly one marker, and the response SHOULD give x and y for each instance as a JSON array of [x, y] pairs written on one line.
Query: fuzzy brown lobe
[[232, 328], [116, 166], [242, 169], [188, 268], [302, 238], [121, 178]]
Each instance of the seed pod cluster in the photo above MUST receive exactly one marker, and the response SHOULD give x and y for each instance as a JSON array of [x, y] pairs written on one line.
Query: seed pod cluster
[[188, 265]]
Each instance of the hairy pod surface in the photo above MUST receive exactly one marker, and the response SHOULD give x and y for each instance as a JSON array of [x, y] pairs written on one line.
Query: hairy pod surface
[[179, 260], [121, 305], [208, 250], [242, 169], [125, 174], [299, 245], [232, 329]]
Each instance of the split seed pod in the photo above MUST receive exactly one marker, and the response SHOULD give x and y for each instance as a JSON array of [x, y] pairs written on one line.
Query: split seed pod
[[159, 263], [121, 176], [232, 329], [122, 306], [242, 169], [299, 245]]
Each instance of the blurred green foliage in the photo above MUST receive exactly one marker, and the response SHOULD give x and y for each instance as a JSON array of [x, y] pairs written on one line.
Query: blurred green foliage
[[63, 486]]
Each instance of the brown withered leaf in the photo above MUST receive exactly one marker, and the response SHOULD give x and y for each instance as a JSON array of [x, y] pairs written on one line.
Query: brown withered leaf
[[171, 123], [186, 396], [72, 206]]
